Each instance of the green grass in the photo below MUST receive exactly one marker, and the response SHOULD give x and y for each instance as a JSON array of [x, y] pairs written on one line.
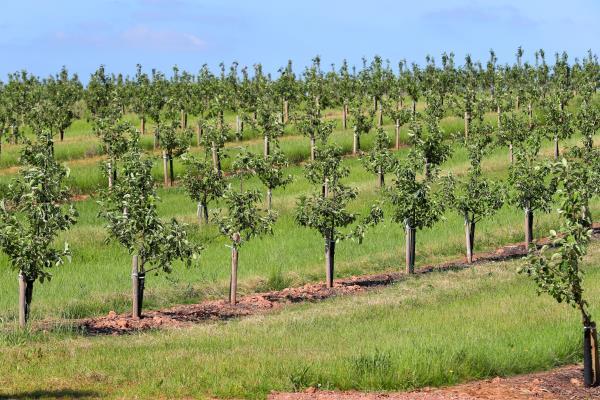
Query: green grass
[[437, 329]]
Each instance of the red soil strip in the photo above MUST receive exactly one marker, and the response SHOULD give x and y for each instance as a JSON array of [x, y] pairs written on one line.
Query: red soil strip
[[559, 384], [184, 315]]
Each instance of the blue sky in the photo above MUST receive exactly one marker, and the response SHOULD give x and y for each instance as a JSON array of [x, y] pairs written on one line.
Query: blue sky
[[43, 35]]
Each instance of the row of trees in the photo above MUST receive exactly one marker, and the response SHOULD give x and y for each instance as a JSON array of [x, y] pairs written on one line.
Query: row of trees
[[55, 101]]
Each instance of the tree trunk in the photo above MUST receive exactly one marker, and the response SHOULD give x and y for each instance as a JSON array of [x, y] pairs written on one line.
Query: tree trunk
[[62, 134], [156, 138], [266, 146], [467, 123], [329, 261], [165, 158], [499, 113], [138, 278], [200, 212], [269, 198], [238, 128], [312, 148], [234, 269], [381, 177], [414, 108], [109, 168], [374, 103], [530, 115], [556, 149], [25, 295], [427, 170], [518, 103], [183, 119], [286, 111], [215, 158], [591, 366], [511, 155], [142, 126], [380, 120], [345, 116], [356, 144], [411, 234], [199, 134], [470, 238], [397, 134], [528, 227], [171, 171]]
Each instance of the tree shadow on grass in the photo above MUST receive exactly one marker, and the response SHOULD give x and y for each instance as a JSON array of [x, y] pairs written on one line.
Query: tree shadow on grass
[[52, 394]]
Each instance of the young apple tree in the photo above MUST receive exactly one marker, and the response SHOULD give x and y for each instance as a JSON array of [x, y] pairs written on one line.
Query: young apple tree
[[61, 93], [310, 124], [474, 197], [202, 183], [34, 212], [399, 115], [380, 159], [114, 134], [326, 211], [175, 141], [414, 203], [362, 122], [130, 209], [529, 187], [244, 221], [427, 139], [213, 140], [514, 130], [557, 267], [269, 169]]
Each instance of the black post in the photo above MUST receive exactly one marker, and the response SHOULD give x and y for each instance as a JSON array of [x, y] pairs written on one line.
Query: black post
[[591, 366]]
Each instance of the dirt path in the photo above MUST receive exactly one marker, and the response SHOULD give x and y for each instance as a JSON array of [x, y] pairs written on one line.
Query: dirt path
[[183, 315], [558, 384]]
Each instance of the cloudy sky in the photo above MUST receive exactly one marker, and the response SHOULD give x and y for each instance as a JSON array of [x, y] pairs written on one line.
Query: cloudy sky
[[42, 35]]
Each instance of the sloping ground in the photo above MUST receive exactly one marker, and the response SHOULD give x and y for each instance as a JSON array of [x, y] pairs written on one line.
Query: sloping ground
[[559, 384], [183, 315]]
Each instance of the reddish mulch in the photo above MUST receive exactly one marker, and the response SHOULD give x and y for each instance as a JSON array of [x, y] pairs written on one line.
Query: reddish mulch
[[561, 383], [259, 303]]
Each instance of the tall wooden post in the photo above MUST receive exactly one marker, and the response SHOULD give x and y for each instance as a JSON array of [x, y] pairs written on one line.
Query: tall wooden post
[[410, 248], [469, 236], [234, 269], [25, 295], [528, 227], [165, 167], [397, 134], [329, 261], [138, 282]]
